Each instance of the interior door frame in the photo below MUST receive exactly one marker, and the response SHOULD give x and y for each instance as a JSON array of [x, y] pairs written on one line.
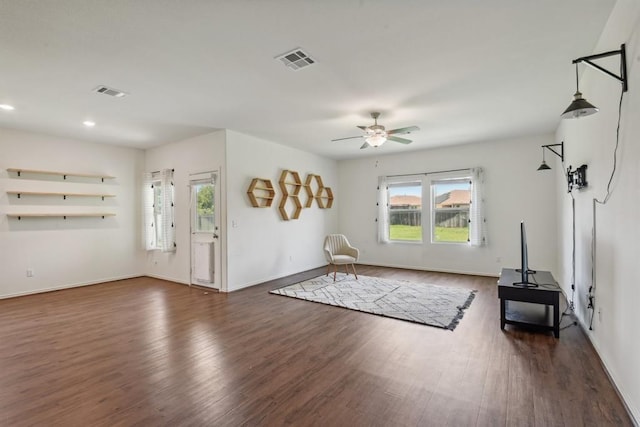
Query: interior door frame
[[212, 177]]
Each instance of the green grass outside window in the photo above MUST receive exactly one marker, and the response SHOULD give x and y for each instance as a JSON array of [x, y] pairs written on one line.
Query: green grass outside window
[[414, 233]]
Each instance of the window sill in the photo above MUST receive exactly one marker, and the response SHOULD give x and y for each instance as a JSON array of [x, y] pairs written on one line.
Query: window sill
[[405, 242], [451, 243]]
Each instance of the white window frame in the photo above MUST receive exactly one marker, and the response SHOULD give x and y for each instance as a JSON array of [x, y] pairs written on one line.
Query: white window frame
[[384, 206], [477, 221], [465, 179], [157, 213], [159, 226]]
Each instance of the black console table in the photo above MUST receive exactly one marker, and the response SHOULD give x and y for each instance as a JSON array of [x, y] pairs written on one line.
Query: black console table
[[547, 293]]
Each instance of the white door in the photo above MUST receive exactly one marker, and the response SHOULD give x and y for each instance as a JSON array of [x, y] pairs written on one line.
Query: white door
[[205, 220]]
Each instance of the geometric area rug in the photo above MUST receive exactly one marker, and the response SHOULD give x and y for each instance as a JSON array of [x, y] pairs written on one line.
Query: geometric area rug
[[433, 305]]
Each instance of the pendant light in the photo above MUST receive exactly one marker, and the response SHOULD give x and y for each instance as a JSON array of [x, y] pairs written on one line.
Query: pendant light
[[551, 147], [543, 165], [579, 107]]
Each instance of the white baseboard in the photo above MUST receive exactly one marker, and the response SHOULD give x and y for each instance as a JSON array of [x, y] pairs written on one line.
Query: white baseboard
[[69, 286], [268, 279], [167, 278], [634, 417], [436, 270]]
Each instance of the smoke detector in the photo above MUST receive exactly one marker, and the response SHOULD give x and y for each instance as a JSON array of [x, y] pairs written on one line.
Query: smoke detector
[[105, 90], [296, 59]]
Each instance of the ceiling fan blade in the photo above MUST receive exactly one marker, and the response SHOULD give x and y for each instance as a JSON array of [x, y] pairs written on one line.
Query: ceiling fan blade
[[400, 140], [365, 145], [364, 128], [403, 130], [349, 137]]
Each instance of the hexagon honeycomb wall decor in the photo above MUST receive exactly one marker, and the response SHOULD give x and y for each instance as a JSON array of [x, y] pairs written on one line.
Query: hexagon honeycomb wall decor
[[324, 196], [312, 184], [261, 193], [290, 185]]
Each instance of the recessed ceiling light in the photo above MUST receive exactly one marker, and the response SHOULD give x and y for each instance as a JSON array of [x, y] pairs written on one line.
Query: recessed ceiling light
[[7, 107], [89, 123]]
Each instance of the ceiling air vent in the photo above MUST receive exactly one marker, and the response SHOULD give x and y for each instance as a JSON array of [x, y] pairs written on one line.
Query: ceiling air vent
[[110, 91], [296, 59]]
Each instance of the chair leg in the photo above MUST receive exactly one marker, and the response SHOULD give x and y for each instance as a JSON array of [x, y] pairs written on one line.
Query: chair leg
[[328, 269], [353, 266], [335, 271]]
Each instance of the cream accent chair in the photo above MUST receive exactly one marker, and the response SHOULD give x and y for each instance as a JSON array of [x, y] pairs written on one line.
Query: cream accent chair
[[338, 251]]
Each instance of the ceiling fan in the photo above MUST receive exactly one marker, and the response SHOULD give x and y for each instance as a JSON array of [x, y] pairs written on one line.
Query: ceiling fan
[[376, 135]]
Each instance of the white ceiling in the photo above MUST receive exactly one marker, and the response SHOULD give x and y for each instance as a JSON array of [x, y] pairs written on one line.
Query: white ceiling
[[461, 70]]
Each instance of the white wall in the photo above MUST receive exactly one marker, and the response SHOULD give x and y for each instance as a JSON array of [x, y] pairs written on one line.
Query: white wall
[[591, 141], [75, 251], [514, 191], [262, 246], [199, 154]]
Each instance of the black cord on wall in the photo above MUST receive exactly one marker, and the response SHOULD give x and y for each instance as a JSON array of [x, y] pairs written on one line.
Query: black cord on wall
[[573, 240], [592, 288]]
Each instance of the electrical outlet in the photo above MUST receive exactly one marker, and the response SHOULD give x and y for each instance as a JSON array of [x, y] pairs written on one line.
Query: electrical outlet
[[29, 272]]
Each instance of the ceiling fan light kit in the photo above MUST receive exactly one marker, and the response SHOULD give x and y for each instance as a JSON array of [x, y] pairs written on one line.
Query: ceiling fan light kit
[[376, 140], [376, 135]]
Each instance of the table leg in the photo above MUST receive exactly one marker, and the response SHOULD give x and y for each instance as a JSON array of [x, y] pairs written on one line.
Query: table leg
[[502, 313]]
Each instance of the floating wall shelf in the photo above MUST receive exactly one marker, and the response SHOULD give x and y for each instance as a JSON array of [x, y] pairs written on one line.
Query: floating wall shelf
[[64, 175], [64, 194], [324, 197], [261, 193], [291, 179], [312, 181], [59, 215], [58, 193]]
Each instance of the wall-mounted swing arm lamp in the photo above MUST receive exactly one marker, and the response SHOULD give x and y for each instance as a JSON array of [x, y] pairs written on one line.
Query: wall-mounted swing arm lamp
[[576, 179], [543, 165], [580, 107]]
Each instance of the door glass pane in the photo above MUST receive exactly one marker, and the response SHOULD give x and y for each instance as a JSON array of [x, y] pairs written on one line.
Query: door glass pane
[[205, 213]]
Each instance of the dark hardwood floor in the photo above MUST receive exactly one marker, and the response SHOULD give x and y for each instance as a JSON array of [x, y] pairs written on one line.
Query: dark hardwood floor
[[149, 352]]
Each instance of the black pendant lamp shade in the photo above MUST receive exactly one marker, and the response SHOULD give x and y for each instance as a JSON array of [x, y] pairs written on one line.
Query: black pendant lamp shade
[[544, 166], [579, 108]]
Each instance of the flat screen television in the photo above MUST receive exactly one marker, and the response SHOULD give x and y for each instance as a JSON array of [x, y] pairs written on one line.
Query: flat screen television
[[524, 270]]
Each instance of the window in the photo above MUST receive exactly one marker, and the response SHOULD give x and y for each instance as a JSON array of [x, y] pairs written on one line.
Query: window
[[157, 213], [454, 213], [400, 208], [405, 211], [159, 227], [450, 206]]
